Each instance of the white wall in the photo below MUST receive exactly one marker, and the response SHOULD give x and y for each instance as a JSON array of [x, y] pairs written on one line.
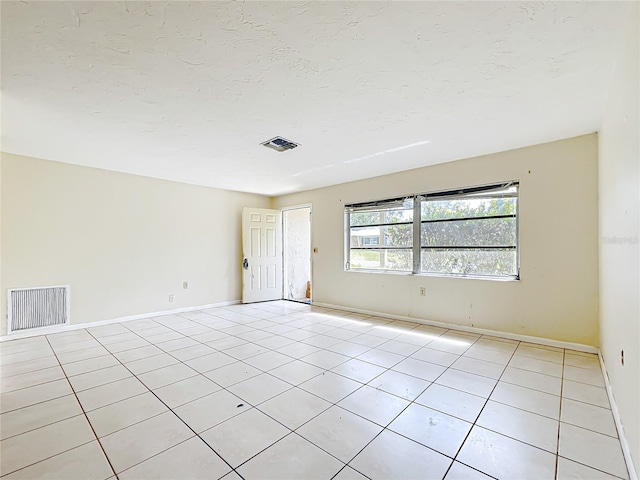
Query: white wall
[[297, 254], [558, 295], [619, 179], [123, 242]]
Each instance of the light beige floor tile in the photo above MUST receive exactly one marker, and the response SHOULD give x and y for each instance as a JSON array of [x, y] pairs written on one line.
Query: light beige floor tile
[[348, 473], [27, 366], [399, 384], [36, 445], [584, 375], [595, 450], [585, 393], [110, 393], [539, 366], [243, 436], [391, 456], [296, 372], [298, 350], [22, 345], [137, 353], [148, 364], [37, 377], [134, 343], [459, 471], [588, 416], [32, 395], [242, 352], [90, 365], [381, 358], [438, 357], [467, 382], [177, 344], [24, 356], [208, 411], [325, 359], [330, 386], [86, 462], [503, 457], [479, 367], [374, 405], [70, 346], [292, 457], [125, 413], [233, 373], [191, 459], [207, 363], [452, 402], [132, 445], [38, 415], [88, 380], [166, 375], [190, 353], [158, 338], [582, 360], [488, 355], [536, 430], [268, 360], [569, 470], [433, 429], [533, 380], [80, 355], [533, 351], [259, 388], [185, 391], [339, 432], [358, 370], [294, 407], [533, 401], [118, 338]]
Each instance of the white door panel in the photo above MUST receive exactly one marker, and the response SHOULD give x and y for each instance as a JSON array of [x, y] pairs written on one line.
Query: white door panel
[[262, 252]]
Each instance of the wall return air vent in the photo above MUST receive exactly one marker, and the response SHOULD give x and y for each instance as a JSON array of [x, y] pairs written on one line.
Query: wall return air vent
[[38, 307], [280, 144]]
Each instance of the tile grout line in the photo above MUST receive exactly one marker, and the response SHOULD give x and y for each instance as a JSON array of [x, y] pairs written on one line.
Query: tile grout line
[[84, 412], [564, 354], [483, 407], [172, 411], [326, 348]]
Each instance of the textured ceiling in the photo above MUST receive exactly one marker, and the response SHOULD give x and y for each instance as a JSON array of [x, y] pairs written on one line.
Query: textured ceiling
[[187, 91]]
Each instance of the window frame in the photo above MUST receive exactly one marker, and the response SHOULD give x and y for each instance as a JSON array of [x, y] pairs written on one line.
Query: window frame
[[417, 222]]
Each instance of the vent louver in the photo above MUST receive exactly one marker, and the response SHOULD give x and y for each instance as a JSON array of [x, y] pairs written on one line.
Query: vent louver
[[280, 144], [38, 307]]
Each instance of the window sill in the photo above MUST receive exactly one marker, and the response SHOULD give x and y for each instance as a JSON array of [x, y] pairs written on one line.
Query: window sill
[[436, 275]]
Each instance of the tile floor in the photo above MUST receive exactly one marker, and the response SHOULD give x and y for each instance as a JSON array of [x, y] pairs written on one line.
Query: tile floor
[[283, 390]]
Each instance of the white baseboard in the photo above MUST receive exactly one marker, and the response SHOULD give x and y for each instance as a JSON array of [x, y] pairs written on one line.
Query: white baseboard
[[626, 451], [480, 331], [33, 332]]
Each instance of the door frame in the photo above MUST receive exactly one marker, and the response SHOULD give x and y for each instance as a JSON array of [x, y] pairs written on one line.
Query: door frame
[[298, 207]]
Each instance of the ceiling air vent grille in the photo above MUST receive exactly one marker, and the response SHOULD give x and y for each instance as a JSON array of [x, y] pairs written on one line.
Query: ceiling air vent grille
[[280, 144]]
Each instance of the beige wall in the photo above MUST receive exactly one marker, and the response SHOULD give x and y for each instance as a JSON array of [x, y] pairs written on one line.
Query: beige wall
[[557, 297], [619, 232], [123, 242]]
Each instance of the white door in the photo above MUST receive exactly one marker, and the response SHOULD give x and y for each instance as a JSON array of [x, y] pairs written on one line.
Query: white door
[[262, 255]]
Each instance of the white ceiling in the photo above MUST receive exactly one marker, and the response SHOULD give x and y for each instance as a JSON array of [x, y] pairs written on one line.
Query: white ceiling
[[186, 91]]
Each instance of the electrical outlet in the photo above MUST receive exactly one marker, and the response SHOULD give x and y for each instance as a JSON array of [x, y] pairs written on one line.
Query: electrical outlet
[[423, 291], [171, 297], [185, 285]]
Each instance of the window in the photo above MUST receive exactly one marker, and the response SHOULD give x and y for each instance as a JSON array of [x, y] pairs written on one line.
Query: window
[[465, 232], [381, 235]]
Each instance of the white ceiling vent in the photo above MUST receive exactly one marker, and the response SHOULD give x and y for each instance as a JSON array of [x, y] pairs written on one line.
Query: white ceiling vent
[[280, 144]]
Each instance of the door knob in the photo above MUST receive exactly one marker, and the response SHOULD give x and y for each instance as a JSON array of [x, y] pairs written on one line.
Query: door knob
[[245, 264]]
